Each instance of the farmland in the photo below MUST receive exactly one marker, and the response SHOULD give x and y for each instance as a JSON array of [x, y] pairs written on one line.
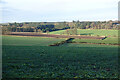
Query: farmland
[[29, 41], [54, 36], [93, 32], [112, 36], [105, 41], [59, 39], [31, 57]]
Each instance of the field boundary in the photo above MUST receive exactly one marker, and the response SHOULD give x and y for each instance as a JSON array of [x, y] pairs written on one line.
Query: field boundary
[[62, 42], [93, 43], [56, 36]]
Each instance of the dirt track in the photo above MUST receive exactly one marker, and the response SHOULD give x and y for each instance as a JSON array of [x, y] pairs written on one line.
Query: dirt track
[[53, 35]]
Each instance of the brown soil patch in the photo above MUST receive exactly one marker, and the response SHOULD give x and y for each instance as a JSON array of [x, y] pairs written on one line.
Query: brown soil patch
[[53, 35]]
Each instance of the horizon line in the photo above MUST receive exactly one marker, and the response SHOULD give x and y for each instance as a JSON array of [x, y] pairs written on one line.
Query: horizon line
[[60, 21]]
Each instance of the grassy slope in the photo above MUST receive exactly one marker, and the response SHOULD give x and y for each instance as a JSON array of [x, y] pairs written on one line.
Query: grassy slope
[[92, 32], [69, 60], [57, 32], [111, 39]]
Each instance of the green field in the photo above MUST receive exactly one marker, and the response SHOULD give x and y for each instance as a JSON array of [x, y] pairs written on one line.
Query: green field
[[105, 41], [31, 57], [112, 35], [96, 32], [29, 41]]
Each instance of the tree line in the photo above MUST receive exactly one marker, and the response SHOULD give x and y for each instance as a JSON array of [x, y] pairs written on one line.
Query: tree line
[[54, 26]]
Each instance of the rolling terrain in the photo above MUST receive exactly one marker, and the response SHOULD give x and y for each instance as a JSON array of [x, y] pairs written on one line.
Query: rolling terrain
[[31, 57]]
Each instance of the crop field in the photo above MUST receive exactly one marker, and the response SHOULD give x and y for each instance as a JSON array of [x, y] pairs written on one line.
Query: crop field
[[31, 57], [29, 41], [105, 41], [54, 36]]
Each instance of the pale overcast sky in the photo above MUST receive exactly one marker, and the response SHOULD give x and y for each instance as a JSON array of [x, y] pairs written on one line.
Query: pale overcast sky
[[58, 10]]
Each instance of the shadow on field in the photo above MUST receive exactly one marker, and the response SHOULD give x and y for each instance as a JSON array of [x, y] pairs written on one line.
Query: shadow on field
[[62, 42], [87, 34], [104, 38]]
